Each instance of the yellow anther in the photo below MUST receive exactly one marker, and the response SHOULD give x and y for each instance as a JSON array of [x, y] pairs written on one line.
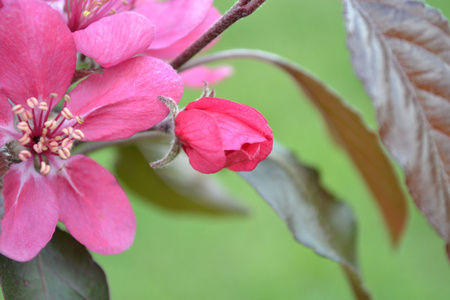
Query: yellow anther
[[43, 106], [53, 146], [51, 124], [32, 102], [18, 109], [44, 132], [67, 130], [79, 119], [62, 153], [67, 114], [25, 139], [27, 115], [24, 155], [124, 2], [23, 126], [53, 95], [38, 147], [58, 138], [45, 169], [67, 98], [78, 135], [112, 11], [86, 13]]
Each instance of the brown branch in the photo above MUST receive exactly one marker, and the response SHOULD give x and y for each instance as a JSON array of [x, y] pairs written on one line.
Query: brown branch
[[241, 9]]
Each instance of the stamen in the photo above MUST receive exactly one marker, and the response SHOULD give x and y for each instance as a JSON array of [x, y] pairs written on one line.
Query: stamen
[[43, 106], [53, 146], [25, 139], [112, 11], [86, 13], [24, 155], [67, 130], [67, 114], [24, 127], [18, 109], [45, 169], [32, 102], [50, 124], [78, 134], [27, 115], [79, 119], [38, 147], [67, 98], [67, 143], [53, 95], [62, 154], [124, 2]]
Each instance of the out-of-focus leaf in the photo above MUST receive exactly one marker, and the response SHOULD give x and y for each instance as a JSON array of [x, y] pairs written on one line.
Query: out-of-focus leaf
[[349, 130], [64, 269], [176, 187], [401, 52], [315, 218]]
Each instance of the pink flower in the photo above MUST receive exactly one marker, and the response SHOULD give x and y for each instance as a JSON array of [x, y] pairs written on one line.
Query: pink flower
[[110, 33], [37, 63], [217, 133]]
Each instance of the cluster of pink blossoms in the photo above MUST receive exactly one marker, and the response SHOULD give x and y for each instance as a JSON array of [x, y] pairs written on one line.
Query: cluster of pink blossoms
[[38, 57]]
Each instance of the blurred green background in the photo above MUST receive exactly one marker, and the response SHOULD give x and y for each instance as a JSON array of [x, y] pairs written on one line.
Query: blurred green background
[[180, 256]]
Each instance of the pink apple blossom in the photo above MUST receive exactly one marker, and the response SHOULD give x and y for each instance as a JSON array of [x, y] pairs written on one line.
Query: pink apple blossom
[[37, 63], [217, 133], [111, 31]]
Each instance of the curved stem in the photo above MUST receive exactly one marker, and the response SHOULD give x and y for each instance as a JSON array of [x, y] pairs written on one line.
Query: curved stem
[[241, 9]]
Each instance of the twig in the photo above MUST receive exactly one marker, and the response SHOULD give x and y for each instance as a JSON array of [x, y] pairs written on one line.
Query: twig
[[241, 9]]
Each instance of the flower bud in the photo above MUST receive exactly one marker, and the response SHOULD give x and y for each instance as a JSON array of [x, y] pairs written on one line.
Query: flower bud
[[217, 133]]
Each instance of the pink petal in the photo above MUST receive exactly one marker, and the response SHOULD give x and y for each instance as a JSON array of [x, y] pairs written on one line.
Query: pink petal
[[7, 129], [244, 113], [114, 39], [180, 45], [173, 19], [124, 100], [196, 77], [249, 156], [31, 212], [201, 140], [37, 53], [94, 207]]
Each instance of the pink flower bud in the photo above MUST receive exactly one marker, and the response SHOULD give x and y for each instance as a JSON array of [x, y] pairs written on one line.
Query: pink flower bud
[[217, 133]]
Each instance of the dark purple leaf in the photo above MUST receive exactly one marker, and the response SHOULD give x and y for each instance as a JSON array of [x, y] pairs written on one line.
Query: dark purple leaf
[[64, 269], [401, 52], [315, 218]]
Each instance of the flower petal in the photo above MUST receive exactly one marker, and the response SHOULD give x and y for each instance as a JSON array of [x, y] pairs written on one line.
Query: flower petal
[[94, 207], [7, 130], [249, 156], [114, 39], [196, 77], [123, 100], [37, 53], [201, 140], [232, 112], [173, 19], [179, 46], [31, 212]]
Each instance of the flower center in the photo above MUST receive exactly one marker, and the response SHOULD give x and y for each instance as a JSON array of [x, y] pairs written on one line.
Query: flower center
[[44, 136], [81, 13]]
